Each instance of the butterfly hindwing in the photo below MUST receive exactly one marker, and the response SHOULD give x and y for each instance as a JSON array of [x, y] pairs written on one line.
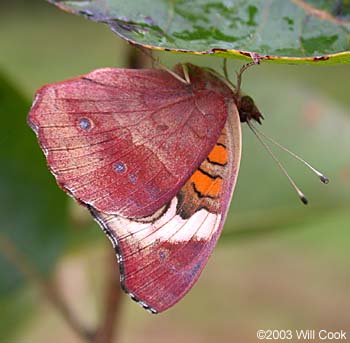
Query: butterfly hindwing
[[161, 257]]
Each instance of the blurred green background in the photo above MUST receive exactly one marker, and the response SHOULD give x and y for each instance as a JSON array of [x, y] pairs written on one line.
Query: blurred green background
[[278, 264]]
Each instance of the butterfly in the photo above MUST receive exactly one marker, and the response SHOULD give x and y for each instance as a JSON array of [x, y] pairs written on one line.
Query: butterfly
[[154, 155]]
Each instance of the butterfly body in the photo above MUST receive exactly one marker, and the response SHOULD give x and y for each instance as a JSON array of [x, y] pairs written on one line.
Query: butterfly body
[[155, 160]]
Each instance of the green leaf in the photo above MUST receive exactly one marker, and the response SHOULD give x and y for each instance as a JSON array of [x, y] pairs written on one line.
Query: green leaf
[[32, 206], [282, 31]]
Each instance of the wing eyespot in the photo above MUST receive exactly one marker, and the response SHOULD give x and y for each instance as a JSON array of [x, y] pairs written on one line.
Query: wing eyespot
[[133, 178], [120, 167], [85, 124]]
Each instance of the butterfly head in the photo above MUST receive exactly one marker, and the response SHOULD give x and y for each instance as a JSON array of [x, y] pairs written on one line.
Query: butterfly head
[[248, 110]]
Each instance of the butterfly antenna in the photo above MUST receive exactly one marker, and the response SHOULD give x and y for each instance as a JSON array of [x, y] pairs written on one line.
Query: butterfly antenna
[[301, 195], [321, 176]]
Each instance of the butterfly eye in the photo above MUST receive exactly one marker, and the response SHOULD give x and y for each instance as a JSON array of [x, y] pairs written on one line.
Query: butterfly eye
[[246, 104], [248, 110], [85, 124]]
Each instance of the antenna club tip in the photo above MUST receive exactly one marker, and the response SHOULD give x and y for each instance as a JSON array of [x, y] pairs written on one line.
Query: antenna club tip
[[324, 179], [304, 200]]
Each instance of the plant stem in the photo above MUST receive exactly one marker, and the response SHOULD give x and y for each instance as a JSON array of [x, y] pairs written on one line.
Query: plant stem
[[113, 300], [49, 289], [107, 331], [138, 58]]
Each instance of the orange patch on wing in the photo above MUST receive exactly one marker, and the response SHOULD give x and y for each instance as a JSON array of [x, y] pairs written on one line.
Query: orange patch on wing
[[205, 185], [218, 155]]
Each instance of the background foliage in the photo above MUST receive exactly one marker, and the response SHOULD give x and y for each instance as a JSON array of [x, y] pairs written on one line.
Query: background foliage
[[278, 264], [284, 31]]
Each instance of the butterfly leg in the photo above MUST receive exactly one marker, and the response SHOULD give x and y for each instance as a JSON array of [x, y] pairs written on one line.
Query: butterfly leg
[[186, 73], [256, 60]]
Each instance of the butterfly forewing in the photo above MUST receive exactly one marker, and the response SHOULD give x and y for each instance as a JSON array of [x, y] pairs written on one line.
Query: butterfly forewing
[[162, 256], [125, 141]]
